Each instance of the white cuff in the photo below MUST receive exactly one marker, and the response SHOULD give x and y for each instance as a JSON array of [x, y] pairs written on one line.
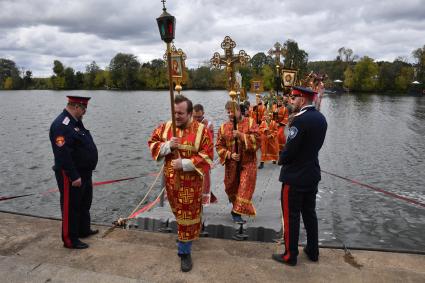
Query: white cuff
[[187, 165], [165, 149]]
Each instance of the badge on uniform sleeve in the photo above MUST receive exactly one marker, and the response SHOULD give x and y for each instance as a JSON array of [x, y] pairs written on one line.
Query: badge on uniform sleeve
[[60, 141], [65, 121], [293, 131]]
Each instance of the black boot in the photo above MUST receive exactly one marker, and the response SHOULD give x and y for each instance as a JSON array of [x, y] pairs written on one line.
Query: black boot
[[186, 262], [279, 258], [261, 165], [77, 245], [312, 257]]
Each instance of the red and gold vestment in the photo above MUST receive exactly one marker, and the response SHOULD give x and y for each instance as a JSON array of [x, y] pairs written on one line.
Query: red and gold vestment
[[239, 177], [282, 119], [184, 188], [269, 143]]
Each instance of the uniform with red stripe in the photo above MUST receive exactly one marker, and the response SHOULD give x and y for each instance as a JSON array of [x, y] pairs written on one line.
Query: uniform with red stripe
[[76, 156], [300, 175]]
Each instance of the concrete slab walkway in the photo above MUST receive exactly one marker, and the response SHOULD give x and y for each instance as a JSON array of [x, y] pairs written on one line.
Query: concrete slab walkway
[[31, 251]]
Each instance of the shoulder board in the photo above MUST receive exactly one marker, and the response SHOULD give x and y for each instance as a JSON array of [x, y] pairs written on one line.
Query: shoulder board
[[65, 121]]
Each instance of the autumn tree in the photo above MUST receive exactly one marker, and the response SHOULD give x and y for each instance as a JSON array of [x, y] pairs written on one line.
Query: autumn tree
[[9, 71]]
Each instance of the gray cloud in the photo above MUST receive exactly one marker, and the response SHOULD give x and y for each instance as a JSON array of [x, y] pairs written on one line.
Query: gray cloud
[[34, 33]]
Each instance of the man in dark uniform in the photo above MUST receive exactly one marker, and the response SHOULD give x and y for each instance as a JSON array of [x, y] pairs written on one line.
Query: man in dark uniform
[[75, 159], [300, 175]]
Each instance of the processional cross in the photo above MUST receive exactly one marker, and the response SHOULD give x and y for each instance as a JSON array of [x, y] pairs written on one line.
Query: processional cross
[[276, 53], [229, 60]]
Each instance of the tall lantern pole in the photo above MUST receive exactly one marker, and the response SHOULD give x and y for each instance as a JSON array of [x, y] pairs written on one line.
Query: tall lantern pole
[[167, 27]]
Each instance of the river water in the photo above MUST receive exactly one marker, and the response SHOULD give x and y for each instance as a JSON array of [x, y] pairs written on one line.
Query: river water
[[374, 139]]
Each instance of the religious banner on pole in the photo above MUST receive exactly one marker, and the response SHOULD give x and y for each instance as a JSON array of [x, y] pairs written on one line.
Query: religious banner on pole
[[289, 77], [178, 67], [257, 86]]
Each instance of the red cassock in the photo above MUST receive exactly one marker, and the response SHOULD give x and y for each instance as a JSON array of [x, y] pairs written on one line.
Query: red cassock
[[184, 188], [269, 143], [282, 120], [239, 177], [206, 194], [260, 110]]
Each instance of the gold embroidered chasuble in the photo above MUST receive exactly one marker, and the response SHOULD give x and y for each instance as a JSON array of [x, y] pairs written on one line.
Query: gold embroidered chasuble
[[185, 195]]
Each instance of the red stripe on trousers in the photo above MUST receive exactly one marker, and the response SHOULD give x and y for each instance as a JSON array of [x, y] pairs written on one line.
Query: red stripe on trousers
[[65, 218], [286, 220]]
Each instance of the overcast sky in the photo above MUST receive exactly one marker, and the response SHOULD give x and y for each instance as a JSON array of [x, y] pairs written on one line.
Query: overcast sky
[[33, 33]]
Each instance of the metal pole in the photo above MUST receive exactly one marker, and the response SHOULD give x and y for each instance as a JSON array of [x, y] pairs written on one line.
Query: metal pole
[[170, 84]]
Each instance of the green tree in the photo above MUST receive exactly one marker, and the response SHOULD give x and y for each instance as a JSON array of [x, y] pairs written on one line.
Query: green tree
[[386, 76], [365, 75], [202, 78], [346, 55], [295, 57], [57, 83], [395, 76], [124, 70], [91, 71], [69, 77], [419, 55], [404, 78], [41, 83], [8, 69], [154, 75], [102, 80], [247, 75], [219, 79], [27, 80], [334, 69], [349, 78], [268, 77], [58, 68], [79, 80], [259, 60]]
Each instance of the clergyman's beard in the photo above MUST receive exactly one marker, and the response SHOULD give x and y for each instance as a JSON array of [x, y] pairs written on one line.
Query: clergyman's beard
[[183, 126]]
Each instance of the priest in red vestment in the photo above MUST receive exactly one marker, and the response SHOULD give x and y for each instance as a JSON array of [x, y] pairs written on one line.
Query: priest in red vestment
[[187, 157], [241, 164], [269, 143]]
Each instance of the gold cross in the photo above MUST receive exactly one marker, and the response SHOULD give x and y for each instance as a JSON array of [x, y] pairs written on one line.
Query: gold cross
[[229, 60], [277, 52], [186, 196]]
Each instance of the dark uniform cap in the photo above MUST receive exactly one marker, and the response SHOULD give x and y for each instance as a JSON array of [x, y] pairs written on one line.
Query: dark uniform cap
[[79, 99], [302, 91]]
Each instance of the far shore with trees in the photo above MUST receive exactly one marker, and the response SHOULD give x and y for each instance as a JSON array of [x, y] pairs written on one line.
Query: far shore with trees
[[125, 72]]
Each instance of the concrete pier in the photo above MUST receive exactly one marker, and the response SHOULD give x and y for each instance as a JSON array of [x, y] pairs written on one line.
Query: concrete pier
[[265, 227], [31, 251]]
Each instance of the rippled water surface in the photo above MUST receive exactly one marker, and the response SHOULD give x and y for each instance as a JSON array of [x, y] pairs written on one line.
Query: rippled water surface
[[377, 140]]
